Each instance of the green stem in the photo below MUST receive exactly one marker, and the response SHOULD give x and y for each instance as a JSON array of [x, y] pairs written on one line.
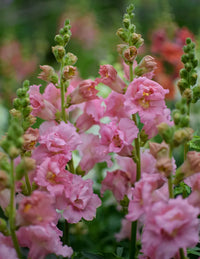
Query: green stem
[[62, 89], [28, 185], [170, 180], [182, 254], [133, 246], [66, 233], [71, 166], [12, 211]]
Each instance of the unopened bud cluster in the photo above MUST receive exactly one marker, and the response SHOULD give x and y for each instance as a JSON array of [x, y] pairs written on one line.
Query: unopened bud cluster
[[188, 74], [132, 40], [22, 108]]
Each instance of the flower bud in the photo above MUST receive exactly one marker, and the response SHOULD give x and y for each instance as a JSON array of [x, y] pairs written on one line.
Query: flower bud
[[187, 94], [146, 65], [137, 40], [69, 72], [70, 59], [176, 117], [21, 92], [3, 226], [184, 121], [59, 39], [17, 103], [59, 52], [47, 73], [195, 62], [196, 93], [164, 166], [4, 180], [130, 54], [182, 135], [159, 150], [182, 84], [193, 78], [166, 132], [13, 152], [183, 73], [121, 33], [15, 113]]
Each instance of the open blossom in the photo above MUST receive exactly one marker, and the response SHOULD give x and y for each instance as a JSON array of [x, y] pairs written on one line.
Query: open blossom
[[78, 200], [110, 78], [7, 249], [92, 152], [31, 137], [120, 180], [41, 107], [36, 209], [146, 97], [92, 113], [52, 175], [56, 139], [117, 135], [42, 240], [85, 91], [170, 226]]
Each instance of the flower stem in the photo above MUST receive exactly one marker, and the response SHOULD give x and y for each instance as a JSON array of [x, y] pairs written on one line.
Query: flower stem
[[133, 246], [28, 185], [170, 180], [12, 211], [182, 254], [66, 233], [62, 89]]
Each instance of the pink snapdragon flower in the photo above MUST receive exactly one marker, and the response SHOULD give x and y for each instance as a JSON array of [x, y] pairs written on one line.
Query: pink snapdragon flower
[[42, 240], [92, 113], [143, 195], [41, 107], [56, 139], [120, 181], [170, 226], [92, 152], [115, 106], [52, 175], [52, 95], [36, 209], [146, 97], [78, 200], [31, 137], [85, 91], [117, 135], [7, 249], [110, 78]]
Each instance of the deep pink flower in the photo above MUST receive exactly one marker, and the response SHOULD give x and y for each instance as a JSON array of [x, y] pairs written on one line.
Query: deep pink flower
[[7, 249], [36, 209], [78, 200], [42, 240], [168, 227], [92, 152], [41, 107], [110, 78], [86, 91], [117, 135], [146, 97]]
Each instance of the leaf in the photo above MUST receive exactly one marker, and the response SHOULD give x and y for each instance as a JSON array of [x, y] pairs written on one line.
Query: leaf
[[195, 143], [194, 251]]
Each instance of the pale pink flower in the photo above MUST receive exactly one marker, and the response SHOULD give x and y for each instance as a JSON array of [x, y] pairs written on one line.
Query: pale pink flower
[[115, 106], [117, 135], [110, 78], [125, 231], [143, 195], [36, 209], [52, 175], [78, 200], [121, 180], [169, 227], [146, 97], [52, 95], [31, 137], [41, 107], [92, 152], [42, 240], [7, 249], [4, 198], [92, 113], [86, 91], [151, 123], [56, 139]]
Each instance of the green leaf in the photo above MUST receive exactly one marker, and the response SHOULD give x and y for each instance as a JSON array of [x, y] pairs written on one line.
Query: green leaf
[[195, 143], [194, 251]]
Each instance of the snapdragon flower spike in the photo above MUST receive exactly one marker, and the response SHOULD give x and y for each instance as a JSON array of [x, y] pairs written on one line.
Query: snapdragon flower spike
[[85, 91], [78, 200], [110, 78], [146, 97], [168, 227], [42, 240]]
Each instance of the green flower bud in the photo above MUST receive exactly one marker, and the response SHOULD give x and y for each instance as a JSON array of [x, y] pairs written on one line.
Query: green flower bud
[[17, 103], [186, 49], [183, 109], [13, 152], [184, 58], [126, 22], [26, 111], [70, 59], [67, 22], [195, 62], [3, 226], [25, 102], [188, 41], [192, 45], [188, 66], [191, 56], [59, 40], [182, 135], [166, 132], [176, 117], [184, 121], [59, 52], [26, 85], [122, 34], [193, 78], [66, 38], [183, 73], [196, 93], [21, 92], [19, 142], [182, 84]]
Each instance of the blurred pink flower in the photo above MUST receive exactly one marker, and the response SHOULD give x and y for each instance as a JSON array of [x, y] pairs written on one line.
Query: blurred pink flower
[[7, 249]]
